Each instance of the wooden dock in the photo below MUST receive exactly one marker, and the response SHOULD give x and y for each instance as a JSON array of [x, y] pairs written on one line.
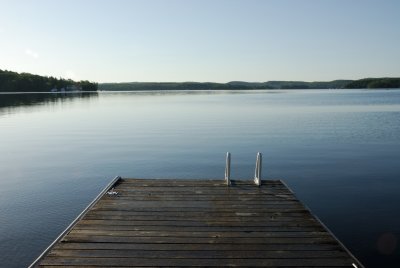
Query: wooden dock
[[160, 222]]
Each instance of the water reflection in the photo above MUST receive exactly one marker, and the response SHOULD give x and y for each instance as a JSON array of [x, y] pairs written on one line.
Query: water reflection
[[10, 101], [191, 92]]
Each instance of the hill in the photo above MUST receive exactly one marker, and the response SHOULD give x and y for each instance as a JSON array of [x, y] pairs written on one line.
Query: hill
[[234, 85]]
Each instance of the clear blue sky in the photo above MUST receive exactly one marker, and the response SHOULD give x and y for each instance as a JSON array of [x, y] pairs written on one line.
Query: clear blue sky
[[220, 41]]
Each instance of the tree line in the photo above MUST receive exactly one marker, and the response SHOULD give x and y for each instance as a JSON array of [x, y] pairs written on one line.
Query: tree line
[[241, 85], [234, 85], [375, 83], [26, 82]]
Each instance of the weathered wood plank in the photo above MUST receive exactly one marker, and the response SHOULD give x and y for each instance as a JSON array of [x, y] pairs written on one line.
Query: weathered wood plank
[[204, 191], [163, 262], [209, 254], [191, 198], [201, 229], [196, 204], [257, 211], [287, 213], [92, 266], [204, 234], [244, 209], [192, 218], [199, 247], [200, 240], [303, 223]]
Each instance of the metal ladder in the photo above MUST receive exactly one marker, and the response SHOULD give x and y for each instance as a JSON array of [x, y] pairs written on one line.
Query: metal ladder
[[257, 171]]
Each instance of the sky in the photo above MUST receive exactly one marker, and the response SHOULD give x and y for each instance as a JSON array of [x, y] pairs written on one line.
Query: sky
[[204, 41]]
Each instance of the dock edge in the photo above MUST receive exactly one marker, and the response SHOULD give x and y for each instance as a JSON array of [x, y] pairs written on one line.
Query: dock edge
[[77, 219]]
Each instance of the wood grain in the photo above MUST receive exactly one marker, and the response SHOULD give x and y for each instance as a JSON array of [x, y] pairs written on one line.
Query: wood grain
[[180, 223]]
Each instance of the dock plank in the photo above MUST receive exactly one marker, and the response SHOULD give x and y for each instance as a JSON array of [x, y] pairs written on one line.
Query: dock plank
[[185, 262], [203, 223]]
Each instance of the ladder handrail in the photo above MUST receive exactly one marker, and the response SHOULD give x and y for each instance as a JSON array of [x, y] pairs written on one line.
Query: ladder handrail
[[228, 169], [257, 172]]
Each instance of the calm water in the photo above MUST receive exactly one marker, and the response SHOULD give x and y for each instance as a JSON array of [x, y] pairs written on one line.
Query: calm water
[[338, 150]]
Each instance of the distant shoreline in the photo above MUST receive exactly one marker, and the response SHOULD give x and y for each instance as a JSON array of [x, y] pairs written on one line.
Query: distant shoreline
[[367, 83], [25, 82]]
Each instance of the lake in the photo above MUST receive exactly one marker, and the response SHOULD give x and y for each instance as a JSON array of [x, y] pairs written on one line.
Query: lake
[[339, 150]]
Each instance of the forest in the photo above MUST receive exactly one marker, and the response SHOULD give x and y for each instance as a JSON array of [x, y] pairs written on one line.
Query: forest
[[25, 82], [375, 83]]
